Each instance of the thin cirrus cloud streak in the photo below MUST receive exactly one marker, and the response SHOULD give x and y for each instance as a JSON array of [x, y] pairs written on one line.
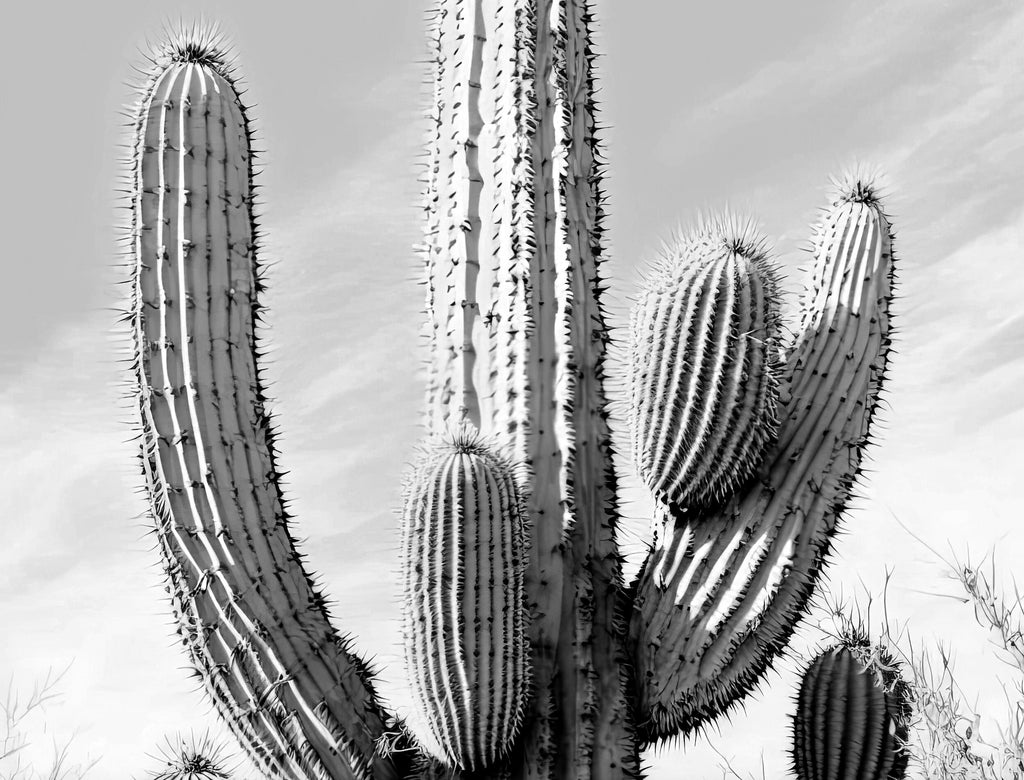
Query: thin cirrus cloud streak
[[926, 91]]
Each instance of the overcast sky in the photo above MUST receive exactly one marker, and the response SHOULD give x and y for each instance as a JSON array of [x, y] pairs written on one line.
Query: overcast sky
[[748, 104]]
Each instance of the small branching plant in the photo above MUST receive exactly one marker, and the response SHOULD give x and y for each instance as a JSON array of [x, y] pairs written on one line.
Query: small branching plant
[[22, 721], [956, 740]]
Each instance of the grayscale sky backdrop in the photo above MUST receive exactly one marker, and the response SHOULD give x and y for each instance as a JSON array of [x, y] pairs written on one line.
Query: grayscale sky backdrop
[[748, 104]]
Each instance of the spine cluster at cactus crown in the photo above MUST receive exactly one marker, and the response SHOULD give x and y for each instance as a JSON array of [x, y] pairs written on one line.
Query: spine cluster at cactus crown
[[528, 655]]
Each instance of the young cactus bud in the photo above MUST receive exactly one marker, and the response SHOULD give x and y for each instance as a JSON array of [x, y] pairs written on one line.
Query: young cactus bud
[[464, 544], [705, 365], [852, 719]]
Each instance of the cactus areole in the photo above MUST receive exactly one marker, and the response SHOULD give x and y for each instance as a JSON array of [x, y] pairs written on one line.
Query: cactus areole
[[528, 655]]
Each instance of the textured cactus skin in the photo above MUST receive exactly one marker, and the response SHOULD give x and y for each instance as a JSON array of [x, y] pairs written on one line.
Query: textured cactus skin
[[517, 334], [249, 616], [723, 588], [849, 724], [464, 549], [704, 368]]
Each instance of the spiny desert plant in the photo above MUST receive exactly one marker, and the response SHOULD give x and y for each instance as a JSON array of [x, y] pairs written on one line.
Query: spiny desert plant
[[853, 713], [514, 213], [193, 757], [464, 547], [705, 341]]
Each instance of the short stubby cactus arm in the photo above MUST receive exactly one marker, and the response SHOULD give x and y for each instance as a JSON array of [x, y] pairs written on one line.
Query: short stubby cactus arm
[[249, 616], [518, 337], [853, 716], [723, 587], [464, 549]]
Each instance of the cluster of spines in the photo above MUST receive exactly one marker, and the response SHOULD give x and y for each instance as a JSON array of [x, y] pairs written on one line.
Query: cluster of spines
[[853, 715], [193, 757], [724, 586], [464, 553], [704, 367]]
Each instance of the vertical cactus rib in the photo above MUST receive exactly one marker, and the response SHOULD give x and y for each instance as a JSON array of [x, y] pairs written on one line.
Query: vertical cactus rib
[[526, 128], [704, 342], [253, 623], [464, 551], [852, 718], [723, 587]]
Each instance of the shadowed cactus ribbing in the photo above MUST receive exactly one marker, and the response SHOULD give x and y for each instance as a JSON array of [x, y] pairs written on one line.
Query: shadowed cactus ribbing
[[853, 716], [511, 558]]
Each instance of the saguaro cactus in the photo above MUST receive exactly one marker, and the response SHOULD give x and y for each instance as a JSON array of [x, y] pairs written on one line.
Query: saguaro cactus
[[518, 337], [853, 715]]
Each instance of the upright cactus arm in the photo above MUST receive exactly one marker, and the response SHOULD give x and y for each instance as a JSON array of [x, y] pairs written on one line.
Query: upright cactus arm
[[249, 615], [513, 247], [724, 585]]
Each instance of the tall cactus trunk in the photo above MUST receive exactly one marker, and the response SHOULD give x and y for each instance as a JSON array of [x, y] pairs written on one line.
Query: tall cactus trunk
[[514, 211]]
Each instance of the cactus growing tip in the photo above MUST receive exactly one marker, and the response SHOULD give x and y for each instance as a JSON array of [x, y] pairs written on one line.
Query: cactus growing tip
[[198, 42]]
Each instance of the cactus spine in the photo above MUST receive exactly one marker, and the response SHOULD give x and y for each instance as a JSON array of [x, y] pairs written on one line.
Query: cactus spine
[[516, 325], [464, 548], [852, 718]]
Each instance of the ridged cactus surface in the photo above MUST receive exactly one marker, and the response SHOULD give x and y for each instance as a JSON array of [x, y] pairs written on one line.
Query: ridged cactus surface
[[852, 719], [704, 372], [250, 618], [513, 247], [464, 552], [528, 657], [723, 587]]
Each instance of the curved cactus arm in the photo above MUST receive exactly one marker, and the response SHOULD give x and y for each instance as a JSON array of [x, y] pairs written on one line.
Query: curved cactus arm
[[513, 247], [723, 587], [249, 615]]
